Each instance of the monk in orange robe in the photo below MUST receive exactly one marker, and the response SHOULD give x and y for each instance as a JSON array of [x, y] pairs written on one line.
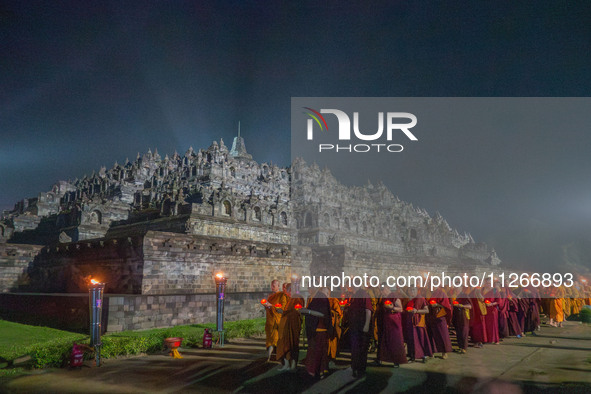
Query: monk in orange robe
[[556, 307], [336, 314], [276, 301], [290, 325]]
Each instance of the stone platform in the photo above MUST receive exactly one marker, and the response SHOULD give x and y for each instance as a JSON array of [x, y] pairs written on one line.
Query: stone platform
[[556, 360]]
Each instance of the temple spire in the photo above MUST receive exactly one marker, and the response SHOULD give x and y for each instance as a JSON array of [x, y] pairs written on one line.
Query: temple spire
[[238, 148]]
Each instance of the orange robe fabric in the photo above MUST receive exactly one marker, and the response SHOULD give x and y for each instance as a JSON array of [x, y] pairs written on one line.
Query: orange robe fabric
[[556, 307], [274, 317], [290, 326], [336, 314]]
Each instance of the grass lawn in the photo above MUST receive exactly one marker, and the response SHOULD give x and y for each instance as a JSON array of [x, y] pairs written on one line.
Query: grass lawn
[[50, 347], [15, 338], [194, 332]]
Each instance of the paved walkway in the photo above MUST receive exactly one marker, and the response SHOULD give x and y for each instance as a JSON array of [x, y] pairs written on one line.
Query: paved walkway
[[557, 360]]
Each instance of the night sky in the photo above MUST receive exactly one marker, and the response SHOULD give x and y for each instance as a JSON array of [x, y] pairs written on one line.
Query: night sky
[[85, 84]]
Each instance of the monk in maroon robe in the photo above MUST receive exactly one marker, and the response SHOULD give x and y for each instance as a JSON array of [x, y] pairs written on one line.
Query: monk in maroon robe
[[391, 340], [477, 323], [438, 319], [418, 343], [359, 316], [491, 320], [532, 315], [503, 306], [318, 330], [514, 326], [461, 320], [523, 307]]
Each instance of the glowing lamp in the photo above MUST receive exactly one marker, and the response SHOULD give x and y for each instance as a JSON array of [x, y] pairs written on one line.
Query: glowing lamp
[[277, 305], [263, 301], [297, 307], [95, 303], [433, 302], [456, 303], [387, 302], [220, 286], [343, 302], [487, 302], [409, 308]]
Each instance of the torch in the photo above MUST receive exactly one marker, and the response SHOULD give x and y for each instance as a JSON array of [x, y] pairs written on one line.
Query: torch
[[220, 285], [95, 301]]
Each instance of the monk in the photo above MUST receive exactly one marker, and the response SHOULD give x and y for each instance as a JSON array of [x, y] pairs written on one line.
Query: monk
[[275, 302], [288, 344], [491, 320], [391, 339], [359, 315], [438, 319], [318, 330], [556, 308], [375, 295], [477, 323], [418, 343], [532, 313], [336, 315], [503, 306], [514, 311], [461, 319], [379, 321]]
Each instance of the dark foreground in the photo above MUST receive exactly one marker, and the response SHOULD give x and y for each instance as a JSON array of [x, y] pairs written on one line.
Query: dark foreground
[[557, 360]]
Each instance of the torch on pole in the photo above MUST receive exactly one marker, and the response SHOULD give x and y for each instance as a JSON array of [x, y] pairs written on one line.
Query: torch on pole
[[220, 285], [95, 302]]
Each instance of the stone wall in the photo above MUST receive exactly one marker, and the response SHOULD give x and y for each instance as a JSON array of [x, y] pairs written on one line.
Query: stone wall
[[67, 268], [126, 312], [14, 261], [229, 227], [136, 312], [180, 263]]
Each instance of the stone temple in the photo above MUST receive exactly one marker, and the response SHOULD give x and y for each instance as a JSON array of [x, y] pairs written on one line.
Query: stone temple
[[157, 230]]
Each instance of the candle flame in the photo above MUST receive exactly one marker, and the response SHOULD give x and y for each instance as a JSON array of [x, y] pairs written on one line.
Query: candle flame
[[219, 275], [94, 282], [297, 306], [388, 302], [263, 301]]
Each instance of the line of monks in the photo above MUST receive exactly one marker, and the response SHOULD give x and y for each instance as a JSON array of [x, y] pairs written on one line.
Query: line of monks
[[405, 325]]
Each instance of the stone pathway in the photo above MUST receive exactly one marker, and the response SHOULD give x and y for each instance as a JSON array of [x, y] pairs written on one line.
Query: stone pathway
[[556, 360]]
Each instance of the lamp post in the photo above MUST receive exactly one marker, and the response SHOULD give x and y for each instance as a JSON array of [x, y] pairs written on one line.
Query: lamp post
[[95, 303], [220, 285], [295, 284]]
